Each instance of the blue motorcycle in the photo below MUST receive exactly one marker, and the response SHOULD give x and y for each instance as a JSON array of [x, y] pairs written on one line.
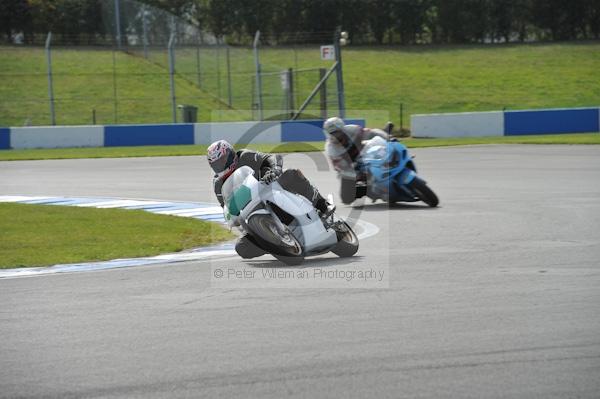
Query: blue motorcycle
[[391, 174]]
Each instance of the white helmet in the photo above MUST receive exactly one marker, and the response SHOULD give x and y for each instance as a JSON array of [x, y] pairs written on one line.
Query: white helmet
[[333, 125]]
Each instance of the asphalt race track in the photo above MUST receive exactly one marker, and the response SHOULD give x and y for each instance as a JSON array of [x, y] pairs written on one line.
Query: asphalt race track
[[496, 294]]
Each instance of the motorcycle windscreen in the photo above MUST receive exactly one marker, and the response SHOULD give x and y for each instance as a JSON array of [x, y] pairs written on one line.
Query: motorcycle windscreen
[[375, 150], [235, 194], [241, 197]]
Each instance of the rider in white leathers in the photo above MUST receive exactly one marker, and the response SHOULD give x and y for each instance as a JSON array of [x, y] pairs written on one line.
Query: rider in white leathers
[[343, 147]]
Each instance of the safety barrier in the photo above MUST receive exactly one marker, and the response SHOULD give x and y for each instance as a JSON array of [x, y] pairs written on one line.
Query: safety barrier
[[168, 134], [507, 123]]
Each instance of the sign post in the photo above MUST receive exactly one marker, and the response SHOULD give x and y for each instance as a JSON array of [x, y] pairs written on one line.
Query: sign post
[[340, 40]]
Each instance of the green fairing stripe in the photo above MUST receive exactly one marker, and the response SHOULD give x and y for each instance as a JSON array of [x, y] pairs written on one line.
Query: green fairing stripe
[[240, 199]]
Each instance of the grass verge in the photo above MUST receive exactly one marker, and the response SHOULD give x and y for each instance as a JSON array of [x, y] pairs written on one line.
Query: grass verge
[[144, 151], [182, 150], [41, 235], [573, 138]]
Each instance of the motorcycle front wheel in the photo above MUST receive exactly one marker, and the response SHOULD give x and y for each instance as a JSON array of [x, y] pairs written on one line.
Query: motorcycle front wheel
[[423, 192], [281, 244]]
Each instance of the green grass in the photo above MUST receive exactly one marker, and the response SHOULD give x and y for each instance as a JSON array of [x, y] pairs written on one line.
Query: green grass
[[577, 138], [39, 235], [473, 78], [83, 81], [425, 79], [189, 150], [144, 151]]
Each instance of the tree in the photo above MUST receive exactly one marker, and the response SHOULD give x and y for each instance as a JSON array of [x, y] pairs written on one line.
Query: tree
[[463, 21], [409, 18], [287, 17], [221, 16], [593, 17], [320, 17], [502, 19], [379, 18], [255, 15], [15, 16], [352, 19], [575, 19], [552, 17]]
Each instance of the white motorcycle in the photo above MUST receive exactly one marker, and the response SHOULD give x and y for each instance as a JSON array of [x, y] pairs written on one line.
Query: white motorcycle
[[283, 223]]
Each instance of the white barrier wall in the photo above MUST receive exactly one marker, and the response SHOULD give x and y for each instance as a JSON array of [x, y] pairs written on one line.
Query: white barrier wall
[[238, 132], [268, 132], [56, 137], [467, 124]]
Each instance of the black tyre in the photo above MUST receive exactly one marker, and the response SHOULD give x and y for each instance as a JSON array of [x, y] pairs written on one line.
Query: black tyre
[[424, 193], [347, 242], [281, 244]]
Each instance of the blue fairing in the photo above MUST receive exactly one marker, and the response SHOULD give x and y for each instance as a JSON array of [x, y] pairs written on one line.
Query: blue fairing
[[390, 170]]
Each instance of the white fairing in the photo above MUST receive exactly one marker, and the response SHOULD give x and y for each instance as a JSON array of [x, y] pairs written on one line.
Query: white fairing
[[234, 182], [307, 228]]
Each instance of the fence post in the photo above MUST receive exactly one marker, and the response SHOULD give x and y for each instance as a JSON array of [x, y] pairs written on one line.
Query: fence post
[[258, 78], [172, 76], [340, 76], [50, 84], [296, 80], [118, 23], [401, 116], [198, 65], [252, 96], [323, 94], [115, 101], [145, 30], [218, 63], [229, 102], [290, 93]]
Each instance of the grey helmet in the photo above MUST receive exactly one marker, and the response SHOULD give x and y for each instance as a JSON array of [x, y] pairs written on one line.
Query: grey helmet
[[333, 125]]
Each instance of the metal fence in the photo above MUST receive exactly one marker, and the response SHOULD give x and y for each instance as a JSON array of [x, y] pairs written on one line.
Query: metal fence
[[154, 63]]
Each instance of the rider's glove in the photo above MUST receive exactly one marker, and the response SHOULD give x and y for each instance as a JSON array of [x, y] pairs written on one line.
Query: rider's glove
[[271, 175]]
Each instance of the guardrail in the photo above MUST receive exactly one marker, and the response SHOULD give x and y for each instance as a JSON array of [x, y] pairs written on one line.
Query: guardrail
[[507, 123], [167, 134]]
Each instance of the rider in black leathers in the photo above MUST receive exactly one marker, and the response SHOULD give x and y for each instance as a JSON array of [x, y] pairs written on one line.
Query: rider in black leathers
[[267, 167]]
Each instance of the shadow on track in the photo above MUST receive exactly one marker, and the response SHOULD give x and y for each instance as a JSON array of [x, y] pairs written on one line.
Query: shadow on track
[[309, 262], [382, 206]]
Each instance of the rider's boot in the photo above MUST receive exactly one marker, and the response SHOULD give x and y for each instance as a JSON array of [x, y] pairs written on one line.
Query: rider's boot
[[323, 206], [247, 248], [388, 128]]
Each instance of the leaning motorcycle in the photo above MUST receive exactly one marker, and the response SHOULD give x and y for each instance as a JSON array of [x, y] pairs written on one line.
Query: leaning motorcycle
[[283, 223], [391, 174]]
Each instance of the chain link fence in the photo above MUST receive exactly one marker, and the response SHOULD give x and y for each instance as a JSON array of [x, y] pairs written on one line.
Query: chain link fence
[[146, 70]]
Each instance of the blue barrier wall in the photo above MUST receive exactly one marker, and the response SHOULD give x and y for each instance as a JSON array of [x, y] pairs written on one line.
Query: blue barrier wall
[[4, 138], [551, 121], [473, 124], [308, 130], [133, 135], [507, 123]]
